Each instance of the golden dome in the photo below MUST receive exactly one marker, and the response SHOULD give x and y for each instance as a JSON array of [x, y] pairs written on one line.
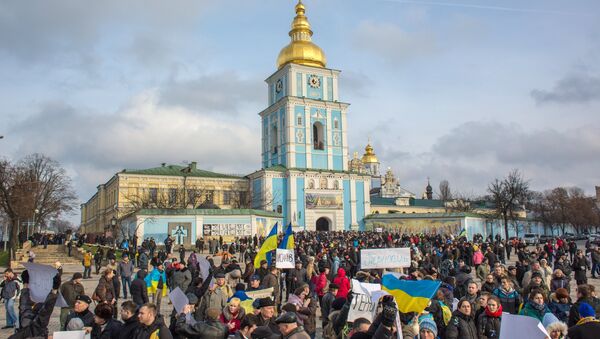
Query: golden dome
[[301, 50], [369, 157]]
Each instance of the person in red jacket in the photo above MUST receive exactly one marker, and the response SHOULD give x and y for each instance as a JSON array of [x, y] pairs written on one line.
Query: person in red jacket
[[321, 283], [343, 282]]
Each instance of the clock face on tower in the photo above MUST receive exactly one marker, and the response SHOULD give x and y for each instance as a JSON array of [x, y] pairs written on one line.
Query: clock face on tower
[[314, 81], [278, 86]]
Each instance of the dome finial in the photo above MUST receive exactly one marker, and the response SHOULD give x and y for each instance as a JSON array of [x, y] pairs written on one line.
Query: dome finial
[[301, 50]]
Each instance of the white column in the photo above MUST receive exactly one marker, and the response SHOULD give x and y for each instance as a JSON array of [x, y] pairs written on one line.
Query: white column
[[353, 202], [291, 136], [335, 89], [344, 141], [303, 84], [290, 88], [291, 198], [307, 138], [329, 139], [367, 197]]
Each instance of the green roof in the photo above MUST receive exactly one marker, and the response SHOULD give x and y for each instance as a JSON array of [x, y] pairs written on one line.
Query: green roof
[[426, 202], [379, 201], [281, 168], [179, 171], [243, 211], [422, 215]]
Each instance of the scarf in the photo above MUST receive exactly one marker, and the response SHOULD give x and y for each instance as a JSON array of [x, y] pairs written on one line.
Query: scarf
[[587, 320], [496, 314], [537, 306]]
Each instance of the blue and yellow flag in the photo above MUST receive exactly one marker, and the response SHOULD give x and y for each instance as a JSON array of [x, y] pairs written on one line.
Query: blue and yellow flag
[[270, 244], [288, 239], [410, 295], [462, 233]]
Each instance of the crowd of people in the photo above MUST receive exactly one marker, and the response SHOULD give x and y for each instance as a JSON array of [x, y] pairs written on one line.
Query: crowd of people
[[313, 299]]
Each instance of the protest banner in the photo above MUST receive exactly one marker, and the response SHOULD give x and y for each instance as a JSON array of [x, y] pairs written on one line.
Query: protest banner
[[70, 335], [178, 299], [258, 294], [40, 280], [361, 307], [284, 258], [204, 267], [521, 326], [364, 288], [384, 258]]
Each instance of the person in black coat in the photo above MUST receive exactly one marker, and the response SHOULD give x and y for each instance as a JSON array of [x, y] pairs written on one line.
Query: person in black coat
[[139, 291], [588, 326], [105, 327], [81, 311], [212, 328], [580, 267], [461, 324], [34, 318], [488, 323], [129, 317]]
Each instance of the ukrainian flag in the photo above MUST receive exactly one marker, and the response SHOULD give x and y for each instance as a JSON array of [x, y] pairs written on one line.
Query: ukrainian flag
[[462, 233], [410, 295], [270, 244], [288, 239]]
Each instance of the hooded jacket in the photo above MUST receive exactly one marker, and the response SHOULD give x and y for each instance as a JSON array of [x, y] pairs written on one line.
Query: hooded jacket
[[206, 330], [139, 291], [342, 281], [461, 326]]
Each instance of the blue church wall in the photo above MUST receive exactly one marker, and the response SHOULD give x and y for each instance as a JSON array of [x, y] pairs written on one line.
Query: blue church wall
[[347, 211], [330, 88], [300, 201], [157, 228], [300, 157], [257, 193], [314, 93], [280, 196], [299, 85], [360, 204], [319, 161], [338, 162]]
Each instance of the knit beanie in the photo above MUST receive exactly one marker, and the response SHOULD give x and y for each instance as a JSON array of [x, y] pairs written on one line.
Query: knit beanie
[[429, 324], [585, 310], [549, 318]]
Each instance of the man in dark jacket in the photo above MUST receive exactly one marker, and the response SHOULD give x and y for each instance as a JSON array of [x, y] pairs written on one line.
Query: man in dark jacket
[[130, 320], [9, 292], [105, 327], [34, 317], [69, 291], [81, 311], [588, 326], [125, 271], [139, 292], [212, 328], [151, 324]]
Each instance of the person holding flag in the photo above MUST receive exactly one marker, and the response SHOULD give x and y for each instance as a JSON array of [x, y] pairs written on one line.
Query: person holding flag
[[269, 245], [288, 239]]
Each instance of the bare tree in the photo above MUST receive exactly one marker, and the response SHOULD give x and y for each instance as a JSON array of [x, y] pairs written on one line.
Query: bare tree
[[582, 210], [62, 226], [445, 192], [36, 188], [509, 195]]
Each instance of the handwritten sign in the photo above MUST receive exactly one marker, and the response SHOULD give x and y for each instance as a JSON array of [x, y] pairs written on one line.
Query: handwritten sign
[[259, 294], [361, 307], [285, 258], [384, 258]]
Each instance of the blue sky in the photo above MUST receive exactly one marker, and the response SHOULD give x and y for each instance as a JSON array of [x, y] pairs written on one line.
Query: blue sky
[[456, 90]]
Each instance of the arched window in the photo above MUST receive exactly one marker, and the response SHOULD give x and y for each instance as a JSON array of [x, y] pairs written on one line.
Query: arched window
[[318, 136], [336, 185], [336, 124], [274, 139]]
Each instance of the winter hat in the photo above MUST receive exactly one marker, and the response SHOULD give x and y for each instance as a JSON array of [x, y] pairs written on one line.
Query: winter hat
[[549, 318], [428, 324], [536, 274], [585, 310], [192, 298], [561, 293]]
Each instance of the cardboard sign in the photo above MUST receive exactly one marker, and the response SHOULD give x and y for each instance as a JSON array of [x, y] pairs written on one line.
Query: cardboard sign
[[384, 258], [178, 299], [259, 294], [285, 258], [40, 280], [70, 335], [521, 326]]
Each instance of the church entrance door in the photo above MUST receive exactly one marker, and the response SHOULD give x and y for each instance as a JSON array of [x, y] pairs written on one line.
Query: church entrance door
[[322, 224]]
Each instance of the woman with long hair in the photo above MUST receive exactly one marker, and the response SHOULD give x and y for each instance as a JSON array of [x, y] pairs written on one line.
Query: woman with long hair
[[535, 306], [488, 324], [461, 324]]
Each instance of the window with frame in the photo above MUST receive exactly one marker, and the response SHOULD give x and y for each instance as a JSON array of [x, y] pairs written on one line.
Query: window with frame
[[299, 122], [318, 136], [153, 194], [172, 196]]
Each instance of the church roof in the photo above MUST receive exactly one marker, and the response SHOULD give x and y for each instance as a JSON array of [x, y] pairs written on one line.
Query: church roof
[[379, 201], [179, 171], [187, 211]]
